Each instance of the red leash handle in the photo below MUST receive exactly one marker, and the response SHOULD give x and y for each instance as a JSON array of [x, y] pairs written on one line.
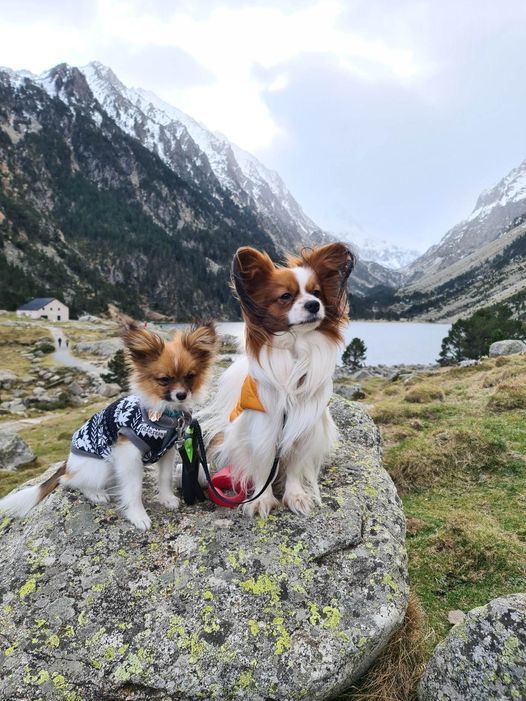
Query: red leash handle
[[222, 481]]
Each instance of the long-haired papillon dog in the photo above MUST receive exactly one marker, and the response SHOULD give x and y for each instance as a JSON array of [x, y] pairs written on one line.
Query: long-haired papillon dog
[[275, 396], [142, 428]]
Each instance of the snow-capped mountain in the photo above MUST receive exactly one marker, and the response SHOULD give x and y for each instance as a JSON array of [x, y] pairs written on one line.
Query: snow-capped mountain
[[495, 211], [387, 254], [196, 153]]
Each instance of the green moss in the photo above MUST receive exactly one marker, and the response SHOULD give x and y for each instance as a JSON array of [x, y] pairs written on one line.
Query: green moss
[[264, 584], [314, 617], [246, 679], [27, 588], [332, 617], [253, 626], [53, 640], [282, 636]]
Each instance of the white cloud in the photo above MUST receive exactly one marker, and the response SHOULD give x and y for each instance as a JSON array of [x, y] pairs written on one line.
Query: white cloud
[[248, 52]]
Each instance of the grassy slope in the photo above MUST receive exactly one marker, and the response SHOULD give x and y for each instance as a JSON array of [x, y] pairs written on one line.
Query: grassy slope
[[457, 457]]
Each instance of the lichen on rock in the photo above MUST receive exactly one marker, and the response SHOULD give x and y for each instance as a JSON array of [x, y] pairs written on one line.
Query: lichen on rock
[[207, 604], [483, 658]]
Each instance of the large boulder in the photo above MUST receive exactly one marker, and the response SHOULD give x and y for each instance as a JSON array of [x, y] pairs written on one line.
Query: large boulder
[[14, 451], [507, 348], [105, 348], [207, 604], [482, 658]]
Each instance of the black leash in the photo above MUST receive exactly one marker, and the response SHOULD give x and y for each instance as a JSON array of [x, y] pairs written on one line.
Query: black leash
[[192, 491]]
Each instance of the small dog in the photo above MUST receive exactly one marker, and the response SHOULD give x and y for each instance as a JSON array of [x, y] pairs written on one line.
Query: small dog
[[276, 395], [142, 428]]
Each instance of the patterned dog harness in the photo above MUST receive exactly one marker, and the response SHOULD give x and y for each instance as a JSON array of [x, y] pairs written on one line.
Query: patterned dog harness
[[248, 399], [127, 417]]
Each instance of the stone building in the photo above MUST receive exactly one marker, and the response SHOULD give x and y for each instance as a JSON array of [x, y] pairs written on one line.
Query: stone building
[[45, 308]]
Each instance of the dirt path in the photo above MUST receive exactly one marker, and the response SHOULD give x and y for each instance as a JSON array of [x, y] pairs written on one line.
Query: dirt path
[[17, 424], [63, 355]]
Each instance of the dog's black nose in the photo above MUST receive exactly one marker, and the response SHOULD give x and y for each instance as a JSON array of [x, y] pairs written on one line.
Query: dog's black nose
[[181, 395], [312, 306]]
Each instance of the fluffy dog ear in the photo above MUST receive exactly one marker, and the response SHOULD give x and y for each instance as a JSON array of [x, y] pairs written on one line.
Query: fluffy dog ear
[[250, 268], [201, 341], [332, 259], [143, 345], [332, 263]]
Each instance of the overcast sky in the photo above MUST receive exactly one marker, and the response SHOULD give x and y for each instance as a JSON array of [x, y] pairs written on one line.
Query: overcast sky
[[387, 114]]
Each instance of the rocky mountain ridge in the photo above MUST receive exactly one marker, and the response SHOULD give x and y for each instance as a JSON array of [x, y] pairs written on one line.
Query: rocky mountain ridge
[[125, 151]]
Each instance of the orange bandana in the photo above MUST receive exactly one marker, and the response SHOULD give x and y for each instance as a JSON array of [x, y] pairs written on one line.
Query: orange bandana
[[249, 398]]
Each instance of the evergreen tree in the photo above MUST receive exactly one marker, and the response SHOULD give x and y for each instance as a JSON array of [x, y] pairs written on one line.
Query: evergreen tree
[[354, 355], [471, 338], [118, 371]]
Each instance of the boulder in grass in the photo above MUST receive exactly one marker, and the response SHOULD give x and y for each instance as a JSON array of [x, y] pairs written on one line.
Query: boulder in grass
[[483, 657], [509, 347], [207, 604], [7, 379], [14, 451]]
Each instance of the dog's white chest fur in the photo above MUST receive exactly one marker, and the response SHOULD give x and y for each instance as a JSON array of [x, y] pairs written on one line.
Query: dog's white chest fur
[[294, 381]]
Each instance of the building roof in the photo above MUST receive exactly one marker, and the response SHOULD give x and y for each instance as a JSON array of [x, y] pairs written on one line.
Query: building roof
[[37, 303]]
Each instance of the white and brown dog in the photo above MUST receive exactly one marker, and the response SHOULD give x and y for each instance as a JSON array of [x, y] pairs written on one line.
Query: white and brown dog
[[294, 319], [140, 429]]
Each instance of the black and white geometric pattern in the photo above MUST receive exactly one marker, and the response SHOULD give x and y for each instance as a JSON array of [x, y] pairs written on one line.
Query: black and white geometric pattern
[[129, 418]]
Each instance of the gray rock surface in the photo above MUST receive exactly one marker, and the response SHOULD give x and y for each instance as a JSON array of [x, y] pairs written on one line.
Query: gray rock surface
[[349, 391], [14, 451], [106, 348], [7, 379], [110, 389], [507, 348], [483, 658], [207, 604]]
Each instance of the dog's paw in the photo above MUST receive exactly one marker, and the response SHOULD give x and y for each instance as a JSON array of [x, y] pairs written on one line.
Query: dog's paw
[[261, 506], [298, 502], [97, 497], [170, 501], [139, 518]]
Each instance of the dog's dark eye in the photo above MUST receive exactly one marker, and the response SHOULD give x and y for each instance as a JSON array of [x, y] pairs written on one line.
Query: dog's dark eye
[[164, 381], [317, 293], [286, 296], [189, 377]]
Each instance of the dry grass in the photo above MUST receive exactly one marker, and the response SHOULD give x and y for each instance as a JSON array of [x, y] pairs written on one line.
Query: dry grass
[[509, 396], [477, 548], [396, 673], [434, 457], [424, 393]]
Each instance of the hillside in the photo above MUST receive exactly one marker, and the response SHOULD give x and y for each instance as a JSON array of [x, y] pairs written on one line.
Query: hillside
[[494, 273], [89, 214], [481, 261], [109, 194]]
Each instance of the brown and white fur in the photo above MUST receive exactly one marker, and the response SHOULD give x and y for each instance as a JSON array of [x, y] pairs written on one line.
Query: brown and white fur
[[165, 375], [294, 319]]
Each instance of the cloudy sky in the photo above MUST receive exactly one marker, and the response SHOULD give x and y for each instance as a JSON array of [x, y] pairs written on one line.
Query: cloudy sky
[[390, 115]]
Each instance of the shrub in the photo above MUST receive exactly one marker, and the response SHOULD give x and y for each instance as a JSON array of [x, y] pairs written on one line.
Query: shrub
[[423, 393], [354, 355], [118, 370], [46, 347], [471, 338], [509, 396]]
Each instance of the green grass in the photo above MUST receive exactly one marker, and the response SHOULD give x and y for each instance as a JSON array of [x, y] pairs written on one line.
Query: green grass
[[50, 442], [459, 466], [14, 340]]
